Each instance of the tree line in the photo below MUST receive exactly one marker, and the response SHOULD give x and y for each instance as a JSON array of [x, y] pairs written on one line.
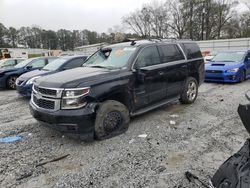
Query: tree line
[[36, 37], [192, 19]]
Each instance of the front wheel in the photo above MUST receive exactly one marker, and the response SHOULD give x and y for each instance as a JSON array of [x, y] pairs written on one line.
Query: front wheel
[[242, 76], [11, 82], [112, 118], [190, 91]]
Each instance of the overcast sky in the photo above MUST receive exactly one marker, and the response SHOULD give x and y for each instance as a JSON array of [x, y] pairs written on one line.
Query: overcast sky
[[97, 15]]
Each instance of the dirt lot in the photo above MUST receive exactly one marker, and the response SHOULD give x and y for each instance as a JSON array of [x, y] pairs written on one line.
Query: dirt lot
[[205, 134]]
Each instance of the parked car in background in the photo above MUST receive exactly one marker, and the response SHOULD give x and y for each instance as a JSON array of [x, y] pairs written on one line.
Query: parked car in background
[[8, 76], [10, 62], [117, 82], [25, 82], [210, 56], [229, 66]]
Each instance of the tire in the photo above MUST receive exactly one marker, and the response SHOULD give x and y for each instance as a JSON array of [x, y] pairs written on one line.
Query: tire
[[190, 91], [112, 118], [242, 76], [11, 82]]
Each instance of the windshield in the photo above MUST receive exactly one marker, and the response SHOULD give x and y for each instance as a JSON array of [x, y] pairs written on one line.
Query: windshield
[[23, 63], [229, 56], [55, 64], [112, 58]]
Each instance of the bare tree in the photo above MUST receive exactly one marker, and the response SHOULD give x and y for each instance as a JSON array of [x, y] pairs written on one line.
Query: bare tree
[[178, 23]]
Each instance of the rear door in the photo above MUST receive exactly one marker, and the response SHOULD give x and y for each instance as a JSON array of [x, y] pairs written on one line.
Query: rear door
[[150, 85], [175, 70]]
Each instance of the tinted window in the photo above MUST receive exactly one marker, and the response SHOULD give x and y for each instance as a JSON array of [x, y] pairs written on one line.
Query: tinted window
[[38, 63], [74, 63], [148, 56], [170, 52], [192, 50], [247, 56]]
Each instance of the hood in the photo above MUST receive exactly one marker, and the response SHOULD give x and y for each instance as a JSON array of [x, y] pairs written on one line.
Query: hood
[[73, 77], [213, 65], [34, 73], [8, 69]]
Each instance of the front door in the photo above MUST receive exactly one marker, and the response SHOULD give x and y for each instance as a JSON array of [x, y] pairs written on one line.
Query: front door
[[150, 85]]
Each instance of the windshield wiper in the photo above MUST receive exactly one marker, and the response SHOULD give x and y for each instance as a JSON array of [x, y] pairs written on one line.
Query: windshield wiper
[[103, 67], [226, 61], [45, 69]]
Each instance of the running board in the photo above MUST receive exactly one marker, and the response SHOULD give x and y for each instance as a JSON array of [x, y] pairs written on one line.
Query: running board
[[152, 107]]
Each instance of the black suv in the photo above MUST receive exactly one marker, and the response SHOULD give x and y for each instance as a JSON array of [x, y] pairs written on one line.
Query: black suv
[[117, 82]]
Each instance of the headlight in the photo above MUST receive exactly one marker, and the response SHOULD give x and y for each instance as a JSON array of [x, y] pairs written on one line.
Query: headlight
[[31, 81], [233, 70], [74, 98]]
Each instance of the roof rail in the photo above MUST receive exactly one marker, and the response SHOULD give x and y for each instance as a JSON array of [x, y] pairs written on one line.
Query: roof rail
[[132, 40]]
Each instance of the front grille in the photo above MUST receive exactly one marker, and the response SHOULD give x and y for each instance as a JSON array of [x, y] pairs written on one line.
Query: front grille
[[214, 78], [214, 71], [44, 91], [43, 103]]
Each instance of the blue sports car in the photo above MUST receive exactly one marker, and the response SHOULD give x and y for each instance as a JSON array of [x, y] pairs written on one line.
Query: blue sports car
[[229, 66], [25, 82], [8, 76]]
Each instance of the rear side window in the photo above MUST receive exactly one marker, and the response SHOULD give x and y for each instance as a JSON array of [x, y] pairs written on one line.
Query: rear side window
[[170, 52], [38, 63], [192, 50], [148, 57], [74, 63]]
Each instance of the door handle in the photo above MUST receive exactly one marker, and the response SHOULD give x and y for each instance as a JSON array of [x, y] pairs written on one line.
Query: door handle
[[160, 73], [184, 66]]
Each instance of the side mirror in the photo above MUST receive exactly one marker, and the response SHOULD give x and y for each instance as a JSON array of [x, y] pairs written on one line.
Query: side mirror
[[248, 95], [28, 67], [140, 75]]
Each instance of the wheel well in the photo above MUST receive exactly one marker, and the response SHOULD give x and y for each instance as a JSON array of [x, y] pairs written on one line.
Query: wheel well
[[11, 76], [120, 97], [196, 76]]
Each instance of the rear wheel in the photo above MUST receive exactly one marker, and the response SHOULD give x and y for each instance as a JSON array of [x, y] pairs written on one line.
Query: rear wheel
[[112, 118], [11, 82], [190, 91]]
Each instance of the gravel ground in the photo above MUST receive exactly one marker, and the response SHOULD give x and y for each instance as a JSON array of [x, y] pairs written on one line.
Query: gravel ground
[[205, 134]]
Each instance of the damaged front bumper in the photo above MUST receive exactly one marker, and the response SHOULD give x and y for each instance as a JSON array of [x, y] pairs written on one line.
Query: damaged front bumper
[[244, 113], [77, 123]]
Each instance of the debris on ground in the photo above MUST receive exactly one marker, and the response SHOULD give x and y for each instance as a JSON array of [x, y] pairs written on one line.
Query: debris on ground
[[142, 135], [172, 122], [131, 141], [23, 176], [53, 160], [10, 139], [174, 116]]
